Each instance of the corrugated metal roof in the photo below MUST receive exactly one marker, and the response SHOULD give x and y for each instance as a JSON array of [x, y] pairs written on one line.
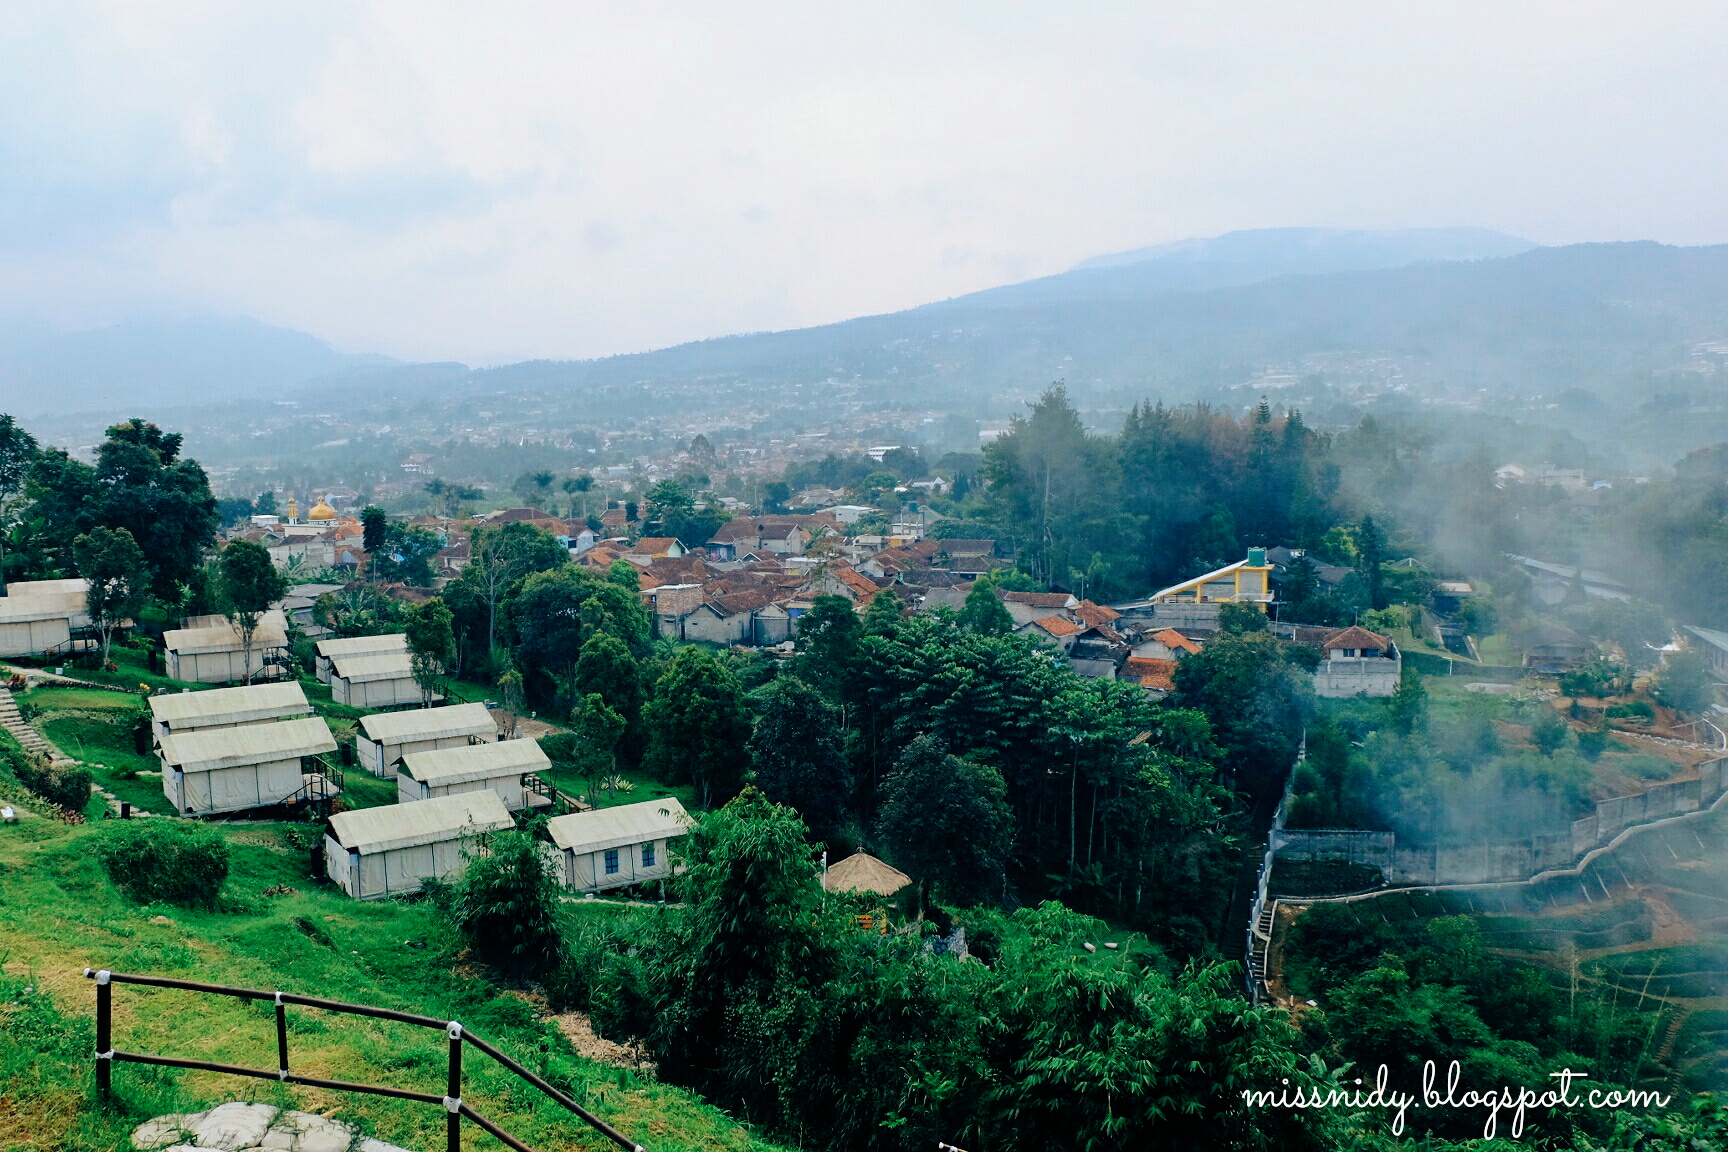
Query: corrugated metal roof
[[231, 705], [394, 826], [210, 749], [429, 724], [363, 645], [476, 762], [370, 668], [615, 827]]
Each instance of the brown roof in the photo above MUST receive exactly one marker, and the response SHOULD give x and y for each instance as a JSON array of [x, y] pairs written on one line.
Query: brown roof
[[1356, 637], [656, 546], [1175, 641], [1092, 614], [968, 547], [856, 580], [732, 603], [1036, 599], [1151, 673], [862, 872], [1057, 625]]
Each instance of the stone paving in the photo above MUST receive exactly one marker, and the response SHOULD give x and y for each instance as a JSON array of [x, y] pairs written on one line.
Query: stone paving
[[238, 1126]]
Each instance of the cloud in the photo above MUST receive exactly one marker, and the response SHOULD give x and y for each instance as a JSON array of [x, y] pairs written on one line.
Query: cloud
[[440, 180]]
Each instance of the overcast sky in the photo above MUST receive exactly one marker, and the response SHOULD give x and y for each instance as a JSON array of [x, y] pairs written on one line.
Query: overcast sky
[[494, 181]]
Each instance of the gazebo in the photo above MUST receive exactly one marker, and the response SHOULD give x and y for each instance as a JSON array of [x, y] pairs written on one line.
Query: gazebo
[[862, 872]]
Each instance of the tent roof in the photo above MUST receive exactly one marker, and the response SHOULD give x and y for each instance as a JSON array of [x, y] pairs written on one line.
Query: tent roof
[[231, 705], [363, 645], [377, 666], [862, 872], [393, 826], [15, 609], [18, 589], [616, 827], [475, 762], [214, 748], [429, 724], [216, 634]]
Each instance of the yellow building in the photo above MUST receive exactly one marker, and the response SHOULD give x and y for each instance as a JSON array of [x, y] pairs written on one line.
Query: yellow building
[[1244, 582]]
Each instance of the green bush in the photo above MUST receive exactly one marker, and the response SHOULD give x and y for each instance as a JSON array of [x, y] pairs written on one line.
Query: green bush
[[1634, 710], [506, 905], [66, 787], [176, 861]]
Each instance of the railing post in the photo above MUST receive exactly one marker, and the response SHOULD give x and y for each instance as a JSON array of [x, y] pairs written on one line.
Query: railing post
[[453, 1092], [281, 1039], [104, 1035]]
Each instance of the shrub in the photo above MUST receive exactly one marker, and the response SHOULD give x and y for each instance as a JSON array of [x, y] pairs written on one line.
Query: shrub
[[65, 786], [1633, 710], [506, 905], [176, 861]]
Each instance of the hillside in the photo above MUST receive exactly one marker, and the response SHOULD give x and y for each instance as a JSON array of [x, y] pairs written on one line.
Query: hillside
[[1601, 316]]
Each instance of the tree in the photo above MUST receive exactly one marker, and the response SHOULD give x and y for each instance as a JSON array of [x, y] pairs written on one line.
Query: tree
[[1408, 706], [407, 554], [451, 496], [605, 668], [698, 725], [249, 584], [1371, 553], [598, 730], [498, 557], [945, 821], [799, 754], [1683, 684], [984, 614], [827, 644], [535, 488], [775, 495], [1236, 619], [550, 615], [374, 523], [18, 452], [670, 503], [506, 904], [885, 613], [431, 646], [577, 488], [1258, 693], [119, 579]]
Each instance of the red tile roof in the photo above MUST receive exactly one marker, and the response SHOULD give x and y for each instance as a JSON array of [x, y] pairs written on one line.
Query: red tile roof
[[1355, 637], [1091, 614], [1175, 641], [1057, 625], [1151, 673], [1036, 599]]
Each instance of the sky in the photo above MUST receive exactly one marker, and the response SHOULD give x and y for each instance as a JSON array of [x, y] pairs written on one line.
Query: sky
[[511, 180]]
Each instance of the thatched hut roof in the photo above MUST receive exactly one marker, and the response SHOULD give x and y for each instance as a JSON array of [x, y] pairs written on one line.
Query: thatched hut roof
[[862, 872]]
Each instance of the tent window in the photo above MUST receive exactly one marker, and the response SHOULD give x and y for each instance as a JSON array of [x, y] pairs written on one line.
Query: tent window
[[647, 855], [611, 861]]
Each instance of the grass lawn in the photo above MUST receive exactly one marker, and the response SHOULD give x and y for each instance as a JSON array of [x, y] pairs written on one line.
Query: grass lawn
[[59, 914], [642, 787]]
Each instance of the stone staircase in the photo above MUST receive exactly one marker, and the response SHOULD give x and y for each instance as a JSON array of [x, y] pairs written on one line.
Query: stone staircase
[[28, 738]]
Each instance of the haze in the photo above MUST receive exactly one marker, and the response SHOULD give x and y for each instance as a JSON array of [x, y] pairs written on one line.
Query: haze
[[498, 182]]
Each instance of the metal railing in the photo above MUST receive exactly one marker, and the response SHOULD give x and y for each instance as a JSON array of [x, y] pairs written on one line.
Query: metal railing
[[452, 1103]]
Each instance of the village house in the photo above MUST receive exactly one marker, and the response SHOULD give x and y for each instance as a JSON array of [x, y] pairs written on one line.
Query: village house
[[1165, 644], [384, 738], [614, 847], [508, 767], [1553, 583], [328, 650], [189, 711], [1552, 649], [1157, 677], [209, 650], [386, 851], [1714, 646], [651, 548], [253, 766], [1025, 607], [1357, 662]]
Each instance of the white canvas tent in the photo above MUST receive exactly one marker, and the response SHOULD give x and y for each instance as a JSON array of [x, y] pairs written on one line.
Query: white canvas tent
[[612, 847], [379, 852], [328, 650], [208, 650], [232, 769], [382, 681], [227, 707], [385, 738], [472, 768], [37, 616]]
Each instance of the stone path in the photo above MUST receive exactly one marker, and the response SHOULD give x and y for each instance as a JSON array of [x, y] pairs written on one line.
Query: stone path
[[236, 1126], [13, 721]]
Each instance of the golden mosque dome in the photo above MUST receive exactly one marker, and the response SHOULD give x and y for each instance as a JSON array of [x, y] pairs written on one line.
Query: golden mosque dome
[[321, 511]]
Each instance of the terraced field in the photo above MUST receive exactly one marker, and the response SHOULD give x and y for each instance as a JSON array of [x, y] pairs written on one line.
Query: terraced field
[[1648, 921]]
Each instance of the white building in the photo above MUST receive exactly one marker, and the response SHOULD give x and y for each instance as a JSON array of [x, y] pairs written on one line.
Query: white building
[[382, 681], [328, 650], [386, 737], [39, 617], [378, 852], [208, 650], [505, 767], [613, 847], [227, 708], [1358, 662], [254, 766]]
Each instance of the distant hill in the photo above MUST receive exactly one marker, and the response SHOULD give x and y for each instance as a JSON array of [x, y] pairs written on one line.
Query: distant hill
[[158, 363], [1589, 315]]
